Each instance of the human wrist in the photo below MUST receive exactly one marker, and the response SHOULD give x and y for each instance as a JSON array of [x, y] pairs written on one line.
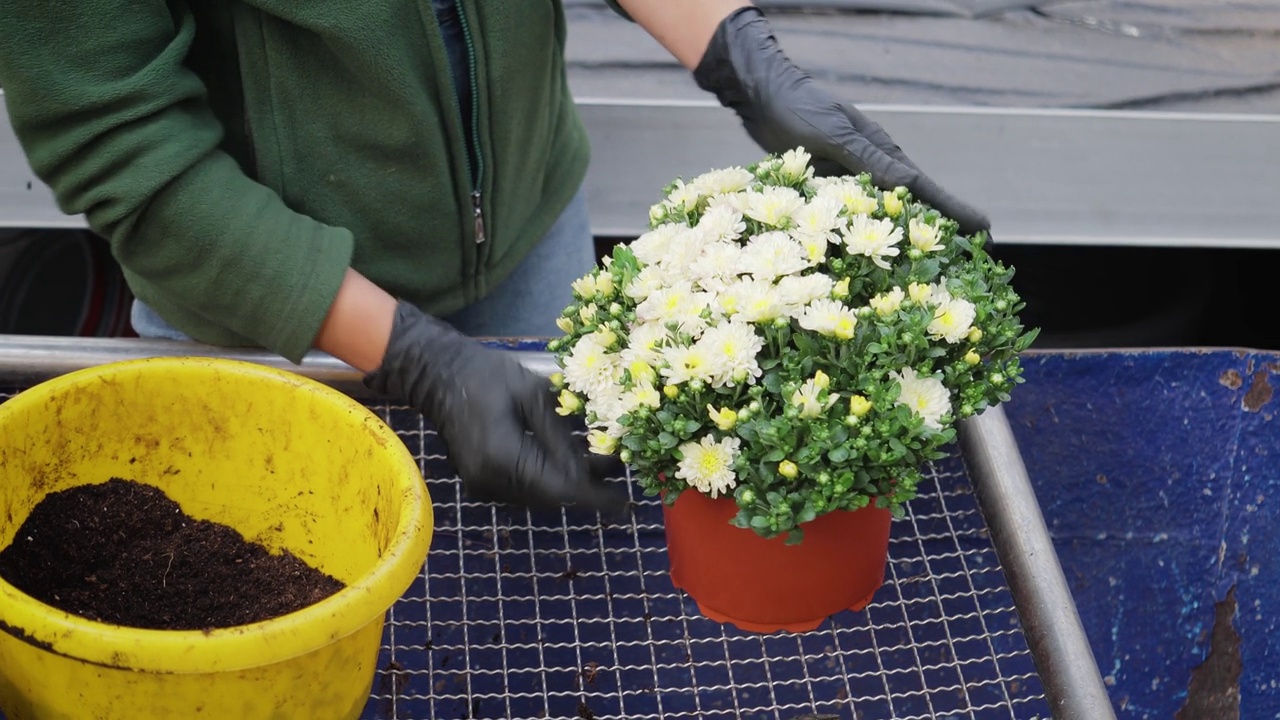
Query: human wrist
[[357, 328]]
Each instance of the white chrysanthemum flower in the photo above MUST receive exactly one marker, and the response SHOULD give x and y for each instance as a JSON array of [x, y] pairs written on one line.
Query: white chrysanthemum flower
[[874, 238], [708, 465], [795, 165], [683, 196], [736, 344], [925, 396], [887, 303], [590, 369], [684, 363], [952, 320], [684, 249], [820, 217], [938, 292], [650, 247], [808, 396], [650, 280], [723, 181], [717, 266], [772, 205], [920, 293], [642, 343], [644, 394], [678, 303], [720, 223], [734, 201], [800, 290], [924, 237], [850, 194], [829, 317], [773, 254], [752, 300], [815, 248], [585, 286]]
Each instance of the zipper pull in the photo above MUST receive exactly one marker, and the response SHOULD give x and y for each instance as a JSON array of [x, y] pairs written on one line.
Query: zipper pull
[[479, 216]]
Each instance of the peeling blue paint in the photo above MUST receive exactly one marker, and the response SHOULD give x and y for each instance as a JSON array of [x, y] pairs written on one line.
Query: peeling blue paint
[[1158, 473]]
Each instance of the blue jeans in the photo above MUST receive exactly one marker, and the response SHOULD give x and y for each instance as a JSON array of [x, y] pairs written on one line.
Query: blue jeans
[[524, 305]]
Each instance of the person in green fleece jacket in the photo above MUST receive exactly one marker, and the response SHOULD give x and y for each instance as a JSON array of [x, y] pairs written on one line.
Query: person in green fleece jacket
[[381, 181]]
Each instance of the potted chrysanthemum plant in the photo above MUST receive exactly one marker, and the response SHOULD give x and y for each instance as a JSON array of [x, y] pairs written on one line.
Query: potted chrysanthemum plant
[[779, 356]]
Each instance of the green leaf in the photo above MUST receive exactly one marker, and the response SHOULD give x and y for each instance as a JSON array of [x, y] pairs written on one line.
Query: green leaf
[[760, 521], [838, 455], [772, 382], [775, 456]]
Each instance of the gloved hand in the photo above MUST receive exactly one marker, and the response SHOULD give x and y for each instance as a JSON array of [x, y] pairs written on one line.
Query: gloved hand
[[781, 107], [496, 417]]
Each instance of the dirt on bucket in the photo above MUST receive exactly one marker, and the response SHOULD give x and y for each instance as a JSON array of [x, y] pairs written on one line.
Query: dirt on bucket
[[123, 552]]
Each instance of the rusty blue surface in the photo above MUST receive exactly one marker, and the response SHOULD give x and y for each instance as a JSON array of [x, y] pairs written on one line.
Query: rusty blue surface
[[1158, 474]]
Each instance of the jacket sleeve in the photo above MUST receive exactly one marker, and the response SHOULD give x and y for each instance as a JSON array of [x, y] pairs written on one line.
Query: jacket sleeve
[[113, 122]]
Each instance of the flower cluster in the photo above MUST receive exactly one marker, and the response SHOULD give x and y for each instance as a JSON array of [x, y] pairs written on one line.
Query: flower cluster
[[801, 344]]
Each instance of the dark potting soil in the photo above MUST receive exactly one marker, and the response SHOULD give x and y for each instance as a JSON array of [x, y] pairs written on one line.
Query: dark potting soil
[[122, 552]]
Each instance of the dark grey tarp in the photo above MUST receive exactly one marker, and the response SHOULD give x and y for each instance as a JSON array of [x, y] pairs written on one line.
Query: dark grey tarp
[[1195, 55]]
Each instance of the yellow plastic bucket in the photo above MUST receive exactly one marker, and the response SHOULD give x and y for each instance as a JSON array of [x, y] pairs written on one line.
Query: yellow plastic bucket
[[285, 460]]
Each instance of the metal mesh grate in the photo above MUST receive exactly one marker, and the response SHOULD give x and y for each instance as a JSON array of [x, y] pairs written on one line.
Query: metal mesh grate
[[554, 615]]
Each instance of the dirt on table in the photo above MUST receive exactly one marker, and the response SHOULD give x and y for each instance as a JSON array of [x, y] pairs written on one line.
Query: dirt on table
[[123, 552]]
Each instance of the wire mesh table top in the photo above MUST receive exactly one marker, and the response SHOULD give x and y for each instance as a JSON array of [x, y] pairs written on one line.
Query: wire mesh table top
[[525, 615], [558, 615]]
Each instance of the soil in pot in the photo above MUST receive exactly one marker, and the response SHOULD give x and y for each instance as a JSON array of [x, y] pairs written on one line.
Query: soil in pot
[[124, 553]]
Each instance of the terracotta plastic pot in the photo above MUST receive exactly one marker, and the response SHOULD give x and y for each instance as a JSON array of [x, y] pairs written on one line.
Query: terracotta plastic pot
[[761, 585]]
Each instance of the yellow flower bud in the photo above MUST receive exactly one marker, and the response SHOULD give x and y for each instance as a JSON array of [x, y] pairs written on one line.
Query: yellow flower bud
[[919, 292], [841, 290], [585, 287], [557, 380], [972, 358], [569, 403], [671, 391], [602, 443], [892, 205], [859, 405], [820, 380], [565, 324], [974, 335], [788, 469], [641, 372], [604, 283], [724, 418], [607, 337], [587, 314]]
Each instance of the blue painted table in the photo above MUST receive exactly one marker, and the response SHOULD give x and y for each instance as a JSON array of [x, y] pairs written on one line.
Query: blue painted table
[[1159, 476]]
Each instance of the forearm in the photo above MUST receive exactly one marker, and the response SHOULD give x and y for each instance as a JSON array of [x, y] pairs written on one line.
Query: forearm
[[358, 325], [684, 28]]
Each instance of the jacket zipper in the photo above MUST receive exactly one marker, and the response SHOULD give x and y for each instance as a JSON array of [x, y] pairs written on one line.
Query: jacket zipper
[[475, 174]]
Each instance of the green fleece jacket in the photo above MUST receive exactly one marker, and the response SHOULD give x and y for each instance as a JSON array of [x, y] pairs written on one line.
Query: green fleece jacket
[[240, 155]]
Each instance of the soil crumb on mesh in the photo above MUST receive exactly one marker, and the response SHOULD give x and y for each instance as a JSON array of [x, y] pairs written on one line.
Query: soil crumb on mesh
[[123, 552]]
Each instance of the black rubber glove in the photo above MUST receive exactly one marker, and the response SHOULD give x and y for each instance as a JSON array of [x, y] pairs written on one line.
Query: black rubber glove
[[781, 107], [496, 417]]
